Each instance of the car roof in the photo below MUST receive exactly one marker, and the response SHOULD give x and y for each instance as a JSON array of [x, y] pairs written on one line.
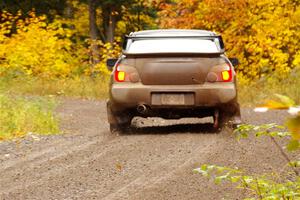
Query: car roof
[[172, 32]]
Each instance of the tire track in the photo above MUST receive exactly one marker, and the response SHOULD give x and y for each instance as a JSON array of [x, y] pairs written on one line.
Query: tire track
[[152, 164]]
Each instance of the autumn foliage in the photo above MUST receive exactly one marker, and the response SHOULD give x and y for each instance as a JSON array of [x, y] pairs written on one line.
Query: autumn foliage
[[33, 46], [263, 34]]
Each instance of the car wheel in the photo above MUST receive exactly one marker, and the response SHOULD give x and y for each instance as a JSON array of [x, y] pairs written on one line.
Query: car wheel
[[229, 121], [224, 120], [119, 129], [221, 120], [230, 115], [118, 122]]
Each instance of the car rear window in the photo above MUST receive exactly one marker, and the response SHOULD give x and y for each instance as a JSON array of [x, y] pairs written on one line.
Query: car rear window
[[173, 45]]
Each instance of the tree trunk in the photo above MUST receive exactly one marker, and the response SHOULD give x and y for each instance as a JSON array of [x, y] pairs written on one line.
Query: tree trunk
[[109, 23], [69, 10], [94, 33], [110, 33]]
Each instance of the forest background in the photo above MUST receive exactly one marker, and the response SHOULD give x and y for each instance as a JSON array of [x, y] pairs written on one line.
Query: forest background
[[60, 47]]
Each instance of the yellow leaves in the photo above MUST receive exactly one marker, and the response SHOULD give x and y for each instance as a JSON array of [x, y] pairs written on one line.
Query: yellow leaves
[[80, 19], [281, 102], [296, 61], [38, 49], [106, 50], [263, 34], [101, 67], [179, 15]]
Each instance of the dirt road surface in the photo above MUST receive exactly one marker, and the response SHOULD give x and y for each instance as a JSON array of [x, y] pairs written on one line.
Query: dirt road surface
[[153, 163]]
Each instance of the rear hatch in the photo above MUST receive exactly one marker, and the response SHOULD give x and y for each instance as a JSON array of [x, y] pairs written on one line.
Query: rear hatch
[[175, 70]]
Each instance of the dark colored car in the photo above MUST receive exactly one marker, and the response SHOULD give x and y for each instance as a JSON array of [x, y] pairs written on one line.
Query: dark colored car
[[172, 74]]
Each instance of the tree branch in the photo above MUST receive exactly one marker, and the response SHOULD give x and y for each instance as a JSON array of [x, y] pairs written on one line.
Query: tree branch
[[284, 154]]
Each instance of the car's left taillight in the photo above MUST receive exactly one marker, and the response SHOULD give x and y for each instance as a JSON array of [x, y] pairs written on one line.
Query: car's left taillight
[[120, 76], [125, 73]]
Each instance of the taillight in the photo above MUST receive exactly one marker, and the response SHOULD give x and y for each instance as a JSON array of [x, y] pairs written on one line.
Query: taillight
[[221, 73], [120, 76], [126, 73], [227, 75]]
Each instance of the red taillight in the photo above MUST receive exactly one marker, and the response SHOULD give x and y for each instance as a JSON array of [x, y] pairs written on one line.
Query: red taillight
[[120, 76], [226, 75], [126, 73], [221, 73]]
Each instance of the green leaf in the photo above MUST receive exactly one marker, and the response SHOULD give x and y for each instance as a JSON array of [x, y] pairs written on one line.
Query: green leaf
[[235, 179], [293, 145], [295, 163], [293, 125]]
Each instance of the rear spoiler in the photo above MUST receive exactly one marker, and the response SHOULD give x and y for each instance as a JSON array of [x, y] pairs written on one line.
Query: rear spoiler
[[210, 37], [177, 54]]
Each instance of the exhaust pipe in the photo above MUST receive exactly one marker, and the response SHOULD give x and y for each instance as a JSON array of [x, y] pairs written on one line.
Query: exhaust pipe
[[142, 108]]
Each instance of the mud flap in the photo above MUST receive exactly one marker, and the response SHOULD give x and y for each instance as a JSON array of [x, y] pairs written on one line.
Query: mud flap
[[230, 115], [235, 118], [117, 118], [110, 116], [216, 118]]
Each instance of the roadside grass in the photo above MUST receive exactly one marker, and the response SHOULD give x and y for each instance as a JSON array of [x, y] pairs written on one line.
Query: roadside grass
[[257, 92], [251, 93], [27, 104], [20, 116], [80, 87]]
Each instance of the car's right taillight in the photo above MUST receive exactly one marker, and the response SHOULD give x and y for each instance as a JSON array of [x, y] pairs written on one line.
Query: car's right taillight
[[227, 75], [221, 73]]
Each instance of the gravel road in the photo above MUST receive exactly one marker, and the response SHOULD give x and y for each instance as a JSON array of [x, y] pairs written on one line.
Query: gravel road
[[155, 162]]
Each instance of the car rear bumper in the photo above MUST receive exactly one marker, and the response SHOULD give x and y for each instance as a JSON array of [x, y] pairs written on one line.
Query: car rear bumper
[[208, 94]]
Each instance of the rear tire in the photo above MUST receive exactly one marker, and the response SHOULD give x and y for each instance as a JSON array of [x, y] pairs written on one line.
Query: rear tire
[[224, 120], [230, 115], [119, 129], [119, 123], [227, 120]]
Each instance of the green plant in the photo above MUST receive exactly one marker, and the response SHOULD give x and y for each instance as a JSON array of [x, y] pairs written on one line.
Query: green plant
[[267, 87], [269, 186], [23, 115], [77, 87], [259, 187]]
